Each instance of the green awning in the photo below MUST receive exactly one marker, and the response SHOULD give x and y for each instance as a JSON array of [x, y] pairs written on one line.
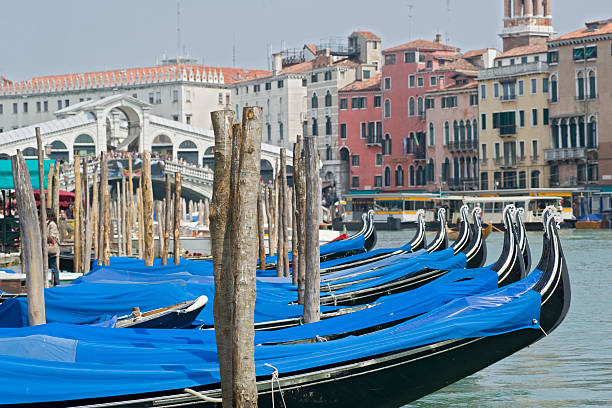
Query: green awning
[[6, 173]]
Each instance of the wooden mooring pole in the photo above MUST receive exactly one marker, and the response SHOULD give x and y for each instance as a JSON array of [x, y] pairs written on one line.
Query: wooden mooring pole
[[78, 200], [177, 218], [42, 200], [147, 206], [312, 302]]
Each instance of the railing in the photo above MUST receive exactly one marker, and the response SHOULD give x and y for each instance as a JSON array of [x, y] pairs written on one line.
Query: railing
[[512, 70], [463, 145], [509, 162], [507, 130], [419, 154], [570, 153], [508, 98], [189, 171], [374, 140]]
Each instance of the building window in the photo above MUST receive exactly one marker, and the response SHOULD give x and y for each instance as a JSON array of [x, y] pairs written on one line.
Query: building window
[[446, 133], [497, 151], [592, 85], [484, 181], [328, 99], [580, 86], [409, 57], [377, 181], [343, 103], [386, 147], [483, 121], [411, 81], [280, 84], [328, 152], [25, 107], [314, 78], [545, 85], [483, 152], [521, 87], [268, 86], [315, 128], [366, 74], [175, 95], [377, 101], [474, 100], [343, 131], [358, 102], [387, 177], [379, 159], [151, 97], [483, 92], [327, 76], [534, 150], [256, 88], [355, 160], [420, 82], [522, 150], [355, 181], [364, 128], [505, 122], [328, 126], [15, 106], [534, 85], [523, 60], [387, 83], [420, 106], [387, 108], [389, 59], [269, 129], [535, 179], [399, 176], [314, 102], [411, 106], [431, 134], [280, 131], [522, 118], [554, 93], [433, 81], [188, 119], [522, 180], [545, 120], [553, 57], [496, 90]]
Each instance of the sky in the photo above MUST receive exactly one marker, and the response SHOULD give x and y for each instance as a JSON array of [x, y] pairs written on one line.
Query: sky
[[69, 36]]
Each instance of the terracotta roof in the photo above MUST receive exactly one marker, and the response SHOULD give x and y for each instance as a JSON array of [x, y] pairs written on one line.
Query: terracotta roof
[[5, 80], [459, 64], [312, 48], [130, 76], [298, 68], [422, 44], [456, 87], [368, 35], [591, 29], [525, 50], [371, 84], [475, 53]]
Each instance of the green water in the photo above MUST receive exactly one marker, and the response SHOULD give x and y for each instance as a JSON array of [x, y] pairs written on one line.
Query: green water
[[570, 368]]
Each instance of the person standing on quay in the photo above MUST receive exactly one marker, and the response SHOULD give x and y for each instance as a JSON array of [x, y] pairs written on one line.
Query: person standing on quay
[[53, 246]]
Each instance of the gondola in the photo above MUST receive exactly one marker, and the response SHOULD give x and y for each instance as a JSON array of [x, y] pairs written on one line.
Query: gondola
[[387, 368], [179, 316]]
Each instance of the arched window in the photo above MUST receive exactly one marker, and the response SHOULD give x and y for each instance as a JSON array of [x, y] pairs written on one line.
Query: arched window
[[420, 176], [573, 133], [387, 176], [162, 145], [281, 135], [328, 125], [462, 131], [456, 171], [564, 134], [84, 145], [269, 132], [429, 171], [399, 176], [410, 144], [431, 134], [455, 131], [592, 85], [30, 152], [554, 132], [412, 175], [314, 101], [420, 106], [468, 167], [554, 90], [445, 169], [592, 133], [581, 132], [315, 127], [59, 151], [475, 130], [328, 152], [328, 99], [387, 108], [387, 145], [446, 133], [468, 130], [580, 86], [188, 151], [411, 106], [461, 168]]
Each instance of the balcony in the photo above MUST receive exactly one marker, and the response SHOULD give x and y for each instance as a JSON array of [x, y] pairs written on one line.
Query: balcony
[[508, 98], [570, 153], [507, 130], [374, 141], [463, 145], [462, 184], [506, 162], [513, 70]]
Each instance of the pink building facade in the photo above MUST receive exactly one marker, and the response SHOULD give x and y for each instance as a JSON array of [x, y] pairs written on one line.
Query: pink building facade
[[360, 133], [409, 71]]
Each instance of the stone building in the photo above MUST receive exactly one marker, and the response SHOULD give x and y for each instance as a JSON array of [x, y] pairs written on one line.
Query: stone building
[[580, 65], [526, 22]]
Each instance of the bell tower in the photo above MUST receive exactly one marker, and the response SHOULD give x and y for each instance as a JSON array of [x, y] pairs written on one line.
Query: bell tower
[[526, 22]]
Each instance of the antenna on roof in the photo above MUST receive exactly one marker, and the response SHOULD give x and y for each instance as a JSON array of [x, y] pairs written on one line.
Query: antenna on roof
[[410, 8], [269, 57], [234, 51], [448, 17], [178, 30]]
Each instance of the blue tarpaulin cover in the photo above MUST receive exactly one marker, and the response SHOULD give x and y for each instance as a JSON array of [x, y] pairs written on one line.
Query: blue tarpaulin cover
[[77, 362]]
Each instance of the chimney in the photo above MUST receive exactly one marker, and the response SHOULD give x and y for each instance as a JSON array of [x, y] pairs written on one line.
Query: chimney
[[438, 38], [277, 63]]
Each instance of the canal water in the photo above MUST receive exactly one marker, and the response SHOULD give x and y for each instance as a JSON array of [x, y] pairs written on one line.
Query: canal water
[[570, 368]]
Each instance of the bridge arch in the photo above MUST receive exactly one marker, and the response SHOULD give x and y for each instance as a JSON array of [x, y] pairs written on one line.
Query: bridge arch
[[59, 151], [84, 145], [162, 145], [188, 151]]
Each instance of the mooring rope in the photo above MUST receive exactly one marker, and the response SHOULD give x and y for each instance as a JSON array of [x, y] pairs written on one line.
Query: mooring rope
[[275, 377], [203, 397]]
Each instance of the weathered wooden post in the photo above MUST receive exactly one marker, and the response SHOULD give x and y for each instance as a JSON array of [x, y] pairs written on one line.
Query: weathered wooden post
[[285, 212], [42, 213], [166, 237], [260, 229], [140, 221], [124, 209], [56, 183], [95, 209], [130, 215], [147, 205], [49, 192], [244, 262], [78, 200], [160, 225], [30, 241], [267, 195], [107, 231], [295, 256], [206, 213], [200, 213], [280, 247], [300, 190], [177, 218], [86, 252], [103, 187], [220, 233], [312, 302]]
